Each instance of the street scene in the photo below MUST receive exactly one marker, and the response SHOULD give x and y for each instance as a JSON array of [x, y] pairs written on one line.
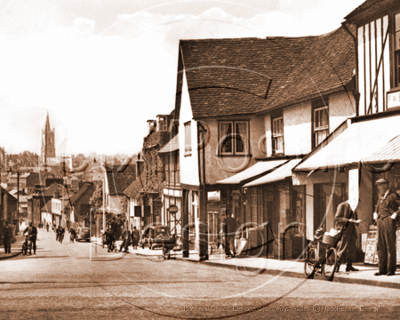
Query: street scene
[[211, 160], [68, 280]]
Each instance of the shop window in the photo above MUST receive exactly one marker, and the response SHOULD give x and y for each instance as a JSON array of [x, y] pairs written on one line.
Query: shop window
[[327, 197], [277, 135], [397, 50], [188, 139], [256, 205], [321, 124], [233, 137]]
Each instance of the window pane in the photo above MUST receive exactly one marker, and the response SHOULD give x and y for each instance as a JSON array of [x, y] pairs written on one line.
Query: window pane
[[188, 139], [320, 136], [226, 135], [324, 117], [241, 136], [397, 18]]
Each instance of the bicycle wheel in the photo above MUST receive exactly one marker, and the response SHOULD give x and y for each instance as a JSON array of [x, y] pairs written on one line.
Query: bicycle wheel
[[309, 262], [328, 268]]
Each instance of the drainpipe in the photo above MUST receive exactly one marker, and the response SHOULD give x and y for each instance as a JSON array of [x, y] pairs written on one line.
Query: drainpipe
[[203, 193]]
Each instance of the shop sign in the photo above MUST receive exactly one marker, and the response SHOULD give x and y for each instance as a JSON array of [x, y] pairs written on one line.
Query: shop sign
[[393, 99]]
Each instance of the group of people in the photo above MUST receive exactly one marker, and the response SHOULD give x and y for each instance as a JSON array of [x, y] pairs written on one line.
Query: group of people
[[387, 211], [128, 238]]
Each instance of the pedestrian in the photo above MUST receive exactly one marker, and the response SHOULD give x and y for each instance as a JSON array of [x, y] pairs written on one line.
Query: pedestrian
[[346, 222], [47, 226], [32, 233], [135, 238], [72, 233], [110, 239], [126, 237], [7, 237], [386, 213], [229, 230]]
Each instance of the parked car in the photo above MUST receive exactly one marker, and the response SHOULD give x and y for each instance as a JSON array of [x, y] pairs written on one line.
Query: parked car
[[83, 234], [156, 237]]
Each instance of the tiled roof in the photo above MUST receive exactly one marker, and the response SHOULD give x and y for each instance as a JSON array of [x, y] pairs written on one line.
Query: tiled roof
[[171, 146], [370, 7], [133, 191], [120, 177], [252, 75], [81, 191], [49, 192], [46, 207]]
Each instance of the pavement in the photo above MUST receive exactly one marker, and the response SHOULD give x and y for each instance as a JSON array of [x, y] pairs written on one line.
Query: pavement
[[287, 268], [16, 248]]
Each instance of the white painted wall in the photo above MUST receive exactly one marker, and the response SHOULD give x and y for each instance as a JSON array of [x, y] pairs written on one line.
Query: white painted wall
[[341, 106], [188, 164], [297, 129]]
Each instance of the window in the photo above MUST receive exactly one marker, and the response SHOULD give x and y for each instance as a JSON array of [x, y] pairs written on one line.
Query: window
[[277, 135], [397, 50], [321, 124], [166, 169], [233, 138], [188, 139]]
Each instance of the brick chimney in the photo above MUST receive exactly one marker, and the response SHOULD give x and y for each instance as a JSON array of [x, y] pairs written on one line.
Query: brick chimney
[[56, 194]]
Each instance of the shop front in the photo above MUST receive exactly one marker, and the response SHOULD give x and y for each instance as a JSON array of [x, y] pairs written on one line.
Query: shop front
[[347, 168], [172, 218], [277, 208]]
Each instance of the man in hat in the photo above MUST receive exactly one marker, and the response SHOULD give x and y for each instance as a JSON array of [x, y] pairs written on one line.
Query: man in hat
[[386, 213]]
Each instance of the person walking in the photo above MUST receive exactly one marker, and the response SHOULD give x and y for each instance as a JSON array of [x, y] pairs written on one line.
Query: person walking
[[386, 213], [7, 237], [126, 237], [135, 237], [229, 228], [346, 222]]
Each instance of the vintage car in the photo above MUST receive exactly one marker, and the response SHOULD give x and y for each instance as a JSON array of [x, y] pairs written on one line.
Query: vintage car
[[157, 236], [83, 234]]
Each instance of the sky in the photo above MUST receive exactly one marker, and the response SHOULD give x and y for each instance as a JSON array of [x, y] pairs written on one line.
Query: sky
[[102, 68]]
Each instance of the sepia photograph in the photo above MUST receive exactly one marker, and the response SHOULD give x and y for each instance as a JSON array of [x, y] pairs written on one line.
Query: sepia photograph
[[200, 159]]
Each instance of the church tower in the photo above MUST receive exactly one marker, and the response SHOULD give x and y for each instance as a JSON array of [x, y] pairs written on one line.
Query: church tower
[[48, 145]]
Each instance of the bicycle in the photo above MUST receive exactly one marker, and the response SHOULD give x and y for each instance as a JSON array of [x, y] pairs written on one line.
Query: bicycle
[[321, 257]]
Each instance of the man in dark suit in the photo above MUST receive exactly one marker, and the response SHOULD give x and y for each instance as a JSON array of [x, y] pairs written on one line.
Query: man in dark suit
[[386, 213], [32, 232], [346, 221], [7, 237]]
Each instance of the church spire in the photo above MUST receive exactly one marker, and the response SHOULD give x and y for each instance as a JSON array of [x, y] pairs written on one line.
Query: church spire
[[47, 126]]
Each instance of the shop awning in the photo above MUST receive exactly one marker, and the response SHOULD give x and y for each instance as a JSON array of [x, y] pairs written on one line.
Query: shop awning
[[172, 145], [279, 174], [390, 152], [359, 141], [255, 170]]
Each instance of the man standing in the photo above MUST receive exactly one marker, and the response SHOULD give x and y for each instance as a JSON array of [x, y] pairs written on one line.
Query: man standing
[[32, 233], [135, 237], [385, 214], [7, 236], [346, 221]]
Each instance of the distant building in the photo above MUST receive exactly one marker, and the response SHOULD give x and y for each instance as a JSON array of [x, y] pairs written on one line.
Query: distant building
[[48, 150]]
